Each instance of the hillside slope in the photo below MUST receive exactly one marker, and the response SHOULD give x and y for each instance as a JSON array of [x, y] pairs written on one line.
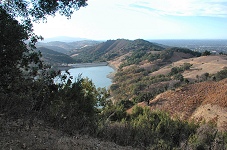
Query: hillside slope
[[66, 47], [200, 101], [200, 65], [112, 49], [54, 58]]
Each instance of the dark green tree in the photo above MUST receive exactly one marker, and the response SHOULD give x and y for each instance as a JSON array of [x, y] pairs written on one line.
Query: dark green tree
[[206, 53], [39, 9], [25, 83]]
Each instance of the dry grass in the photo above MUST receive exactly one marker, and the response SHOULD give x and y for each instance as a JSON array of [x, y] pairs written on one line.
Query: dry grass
[[200, 101], [200, 65]]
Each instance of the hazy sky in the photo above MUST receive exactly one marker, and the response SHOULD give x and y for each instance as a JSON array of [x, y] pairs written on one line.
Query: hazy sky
[[146, 19]]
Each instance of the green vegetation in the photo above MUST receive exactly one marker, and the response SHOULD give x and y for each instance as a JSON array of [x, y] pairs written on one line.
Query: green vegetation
[[140, 55], [220, 75], [147, 129], [28, 92], [133, 83], [113, 48], [206, 53], [54, 58], [214, 77], [177, 70], [144, 128]]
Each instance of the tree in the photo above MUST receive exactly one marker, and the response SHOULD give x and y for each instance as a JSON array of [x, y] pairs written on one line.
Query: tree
[[39, 9], [206, 53], [25, 83], [14, 52], [18, 64]]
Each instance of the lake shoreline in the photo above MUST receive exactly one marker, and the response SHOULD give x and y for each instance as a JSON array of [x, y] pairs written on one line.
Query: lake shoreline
[[87, 65], [83, 65], [99, 73]]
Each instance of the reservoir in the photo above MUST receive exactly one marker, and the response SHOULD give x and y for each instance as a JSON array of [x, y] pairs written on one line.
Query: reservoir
[[98, 75]]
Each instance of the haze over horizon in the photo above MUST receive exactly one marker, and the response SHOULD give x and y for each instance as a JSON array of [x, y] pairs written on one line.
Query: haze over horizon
[[163, 19]]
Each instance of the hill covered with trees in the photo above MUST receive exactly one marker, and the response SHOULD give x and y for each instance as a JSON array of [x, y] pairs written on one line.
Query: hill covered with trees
[[35, 110], [112, 49], [54, 58]]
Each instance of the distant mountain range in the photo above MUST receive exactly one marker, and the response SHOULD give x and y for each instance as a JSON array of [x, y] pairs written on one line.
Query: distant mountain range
[[66, 47], [64, 39], [96, 51]]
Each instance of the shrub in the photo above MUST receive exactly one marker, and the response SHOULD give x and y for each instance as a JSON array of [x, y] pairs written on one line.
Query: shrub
[[221, 75]]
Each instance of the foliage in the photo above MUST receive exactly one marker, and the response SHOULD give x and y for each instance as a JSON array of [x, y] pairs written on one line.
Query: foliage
[[72, 107], [35, 10], [140, 55], [221, 75], [54, 58], [148, 129], [176, 70], [27, 87], [206, 53], [134, 83], [18, 65], [28, 90]]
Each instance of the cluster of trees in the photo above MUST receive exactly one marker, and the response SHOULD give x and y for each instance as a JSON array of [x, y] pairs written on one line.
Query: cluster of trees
[[135, 82], [213, 77], [28, 91], [176, 70], [150, 55], [27, 88], [148, 129]]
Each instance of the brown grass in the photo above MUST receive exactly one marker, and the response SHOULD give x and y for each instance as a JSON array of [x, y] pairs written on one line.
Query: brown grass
[[200, 65], [200, 101]]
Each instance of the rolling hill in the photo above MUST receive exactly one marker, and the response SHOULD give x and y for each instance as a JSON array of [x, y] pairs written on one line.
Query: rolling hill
[[177, 80], [54, 58], [201, 101], [66, 47], [112, 49]]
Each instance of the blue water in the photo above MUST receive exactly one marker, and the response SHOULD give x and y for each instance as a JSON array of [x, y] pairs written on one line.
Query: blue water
[[98, 75]]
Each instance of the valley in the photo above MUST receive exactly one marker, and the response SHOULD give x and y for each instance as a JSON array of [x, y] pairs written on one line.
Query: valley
[[146, 75], [161, 97], [149, 72]]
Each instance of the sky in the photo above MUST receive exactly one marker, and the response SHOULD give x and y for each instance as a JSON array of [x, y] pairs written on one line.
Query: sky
[[144, 19]]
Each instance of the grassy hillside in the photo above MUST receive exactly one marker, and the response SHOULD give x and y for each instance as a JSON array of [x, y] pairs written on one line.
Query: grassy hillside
[[112, 49], [135, 73], [201, 101]]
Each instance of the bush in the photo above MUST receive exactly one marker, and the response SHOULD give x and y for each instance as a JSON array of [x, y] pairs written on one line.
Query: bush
[[221, 75], [148, 129], [73, 107]]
